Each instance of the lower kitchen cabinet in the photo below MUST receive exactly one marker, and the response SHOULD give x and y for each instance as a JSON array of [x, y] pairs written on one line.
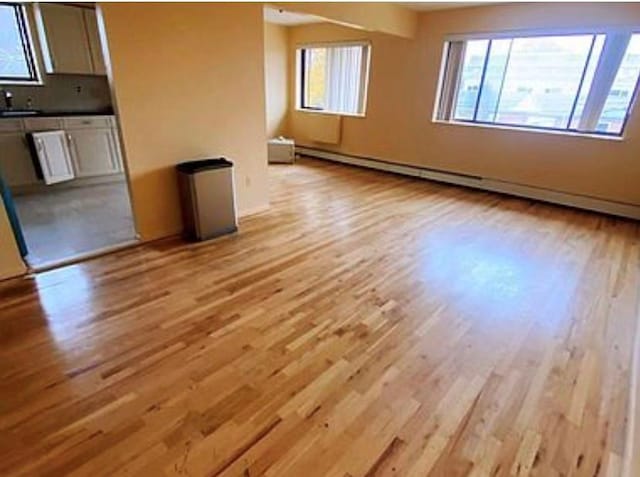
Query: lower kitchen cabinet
[[16, 165], [95, 152], [92, 141]]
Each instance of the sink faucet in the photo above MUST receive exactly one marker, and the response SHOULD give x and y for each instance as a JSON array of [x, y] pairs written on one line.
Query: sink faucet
[[8, 99]]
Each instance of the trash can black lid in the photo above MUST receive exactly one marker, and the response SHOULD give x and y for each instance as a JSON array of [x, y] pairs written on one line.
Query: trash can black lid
[[191, 167]]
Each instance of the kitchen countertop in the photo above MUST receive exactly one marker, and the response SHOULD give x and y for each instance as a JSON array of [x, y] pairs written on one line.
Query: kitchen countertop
[[50, 114]]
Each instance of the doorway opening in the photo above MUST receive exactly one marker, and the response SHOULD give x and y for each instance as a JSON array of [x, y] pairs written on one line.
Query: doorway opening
[[63, 179]]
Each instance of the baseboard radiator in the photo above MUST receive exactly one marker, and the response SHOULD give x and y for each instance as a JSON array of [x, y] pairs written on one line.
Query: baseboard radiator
[[319, 127], [545, 195]]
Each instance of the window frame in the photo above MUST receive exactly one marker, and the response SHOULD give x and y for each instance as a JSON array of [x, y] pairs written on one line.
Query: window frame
[[301, 86], [447, 90], [28, 49]]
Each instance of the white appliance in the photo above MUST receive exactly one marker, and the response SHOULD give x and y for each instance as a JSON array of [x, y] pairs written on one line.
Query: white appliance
[[281, 150]]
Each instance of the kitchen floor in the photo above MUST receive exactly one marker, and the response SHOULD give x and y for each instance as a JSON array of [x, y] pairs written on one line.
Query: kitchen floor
[[64, 223]]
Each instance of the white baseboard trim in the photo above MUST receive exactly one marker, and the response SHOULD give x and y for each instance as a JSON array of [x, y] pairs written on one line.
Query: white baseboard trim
[[529, 192]]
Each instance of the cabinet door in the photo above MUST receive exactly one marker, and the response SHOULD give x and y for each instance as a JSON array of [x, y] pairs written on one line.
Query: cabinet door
[[66, 39], [94, 152], [97, 58], [16, 165], [54, 156]]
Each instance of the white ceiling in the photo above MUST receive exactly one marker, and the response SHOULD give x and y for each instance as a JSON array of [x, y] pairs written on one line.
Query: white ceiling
[[282, 17], [429, 6]]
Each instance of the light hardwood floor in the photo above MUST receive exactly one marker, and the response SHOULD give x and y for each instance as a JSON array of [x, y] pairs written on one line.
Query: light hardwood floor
[[367, 325]]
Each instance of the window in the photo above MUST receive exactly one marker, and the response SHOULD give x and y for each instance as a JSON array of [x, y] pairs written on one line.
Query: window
[[16, 56], [333, 78], [578, 82]]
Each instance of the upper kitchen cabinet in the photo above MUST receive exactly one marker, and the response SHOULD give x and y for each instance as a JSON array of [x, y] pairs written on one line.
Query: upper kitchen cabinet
[[97, 58], [69, 39]]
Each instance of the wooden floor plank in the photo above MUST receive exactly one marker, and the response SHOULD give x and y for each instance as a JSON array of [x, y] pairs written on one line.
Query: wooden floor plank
[[366, 325]]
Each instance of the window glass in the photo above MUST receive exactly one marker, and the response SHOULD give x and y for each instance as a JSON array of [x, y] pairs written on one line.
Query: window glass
[[316, 64], [494, 80], [617, 104], [15, 59], [469, 87], [579, 82], [333, 78], [587, 81], [542, 79]]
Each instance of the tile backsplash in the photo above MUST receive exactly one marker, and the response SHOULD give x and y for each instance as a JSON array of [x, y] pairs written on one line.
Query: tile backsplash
[[63, 93]]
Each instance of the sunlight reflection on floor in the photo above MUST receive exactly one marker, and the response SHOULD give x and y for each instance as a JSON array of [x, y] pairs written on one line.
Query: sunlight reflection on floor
[[488, 272], [64, 307]]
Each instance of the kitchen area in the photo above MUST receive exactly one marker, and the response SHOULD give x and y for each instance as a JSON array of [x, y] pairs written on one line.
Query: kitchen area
[[62, 176]]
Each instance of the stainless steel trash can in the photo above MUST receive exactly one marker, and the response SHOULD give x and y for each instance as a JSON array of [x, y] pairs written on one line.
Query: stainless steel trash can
[[207, 197]]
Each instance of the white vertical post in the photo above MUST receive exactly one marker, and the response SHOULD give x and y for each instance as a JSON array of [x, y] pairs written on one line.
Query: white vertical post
[[613, 51], [452, 71]]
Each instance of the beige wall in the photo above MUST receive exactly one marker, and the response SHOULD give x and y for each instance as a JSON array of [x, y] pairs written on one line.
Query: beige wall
[[385, 17], [189, 83], [276, 75], [402, 91], [11, 264]]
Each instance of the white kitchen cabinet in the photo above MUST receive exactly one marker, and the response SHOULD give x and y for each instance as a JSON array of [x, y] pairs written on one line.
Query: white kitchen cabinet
[[16, 165], [42, 124], [54, 156], [94, 151], [92, 142], [87, 122], [63, 36], [69, 39], [97, 58]]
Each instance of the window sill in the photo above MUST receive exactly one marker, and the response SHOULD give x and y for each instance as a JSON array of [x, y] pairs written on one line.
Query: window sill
[[21, 83], [331, 113], [605, 137]]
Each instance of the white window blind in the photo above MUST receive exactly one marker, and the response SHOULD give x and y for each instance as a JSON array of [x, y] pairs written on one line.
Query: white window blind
[[333, 78]]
